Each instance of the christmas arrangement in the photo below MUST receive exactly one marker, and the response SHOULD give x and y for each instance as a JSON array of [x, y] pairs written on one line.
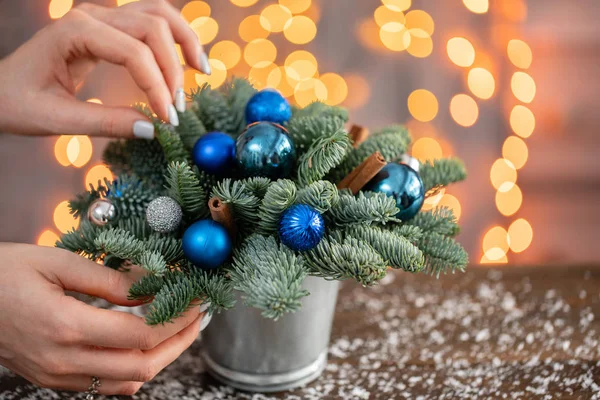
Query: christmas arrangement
[[252, 195]]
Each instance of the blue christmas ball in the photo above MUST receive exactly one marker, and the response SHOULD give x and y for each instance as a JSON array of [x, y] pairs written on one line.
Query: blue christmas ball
[[403, 184], [265, 149], [206, 244], [214, 153], [301, 227], [268, 105]]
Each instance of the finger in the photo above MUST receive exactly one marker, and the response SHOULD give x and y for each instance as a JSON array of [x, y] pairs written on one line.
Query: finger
[[191, 48], [82, 383], [109, 44], [108, 328], [136, 365], [154, 31]]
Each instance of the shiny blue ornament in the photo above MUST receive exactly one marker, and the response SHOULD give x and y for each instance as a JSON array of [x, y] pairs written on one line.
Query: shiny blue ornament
[[403, 184], [214, 153], [206, 244], [268, 105], [265, 149], [301, 227]]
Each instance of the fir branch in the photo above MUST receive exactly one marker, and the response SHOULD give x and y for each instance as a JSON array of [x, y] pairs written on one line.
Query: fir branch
[[82, 240], [148, 286], [169, 247], [130, 196], [439, 220], [439, 173], [322, 195], [213, 288], [138, 227], [120, 243], [207, 181], [153, 262], [190, 128], [412, 233], [80, 205], [172, 145], [175, 297], [244, 204], [116, 156], [279, 197], [238, 92], [269, 275], [395, 249], [184, 187], [321, 109], [364, 209], [143, 158], [324, 154], [442, 254], [257, 185], [351, 258], [305, 130]]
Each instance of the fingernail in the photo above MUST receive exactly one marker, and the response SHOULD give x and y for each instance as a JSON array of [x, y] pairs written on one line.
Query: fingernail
[[205, 321], [173, 117], [143, 130], [205, 64], [180, 100], [203, 307]]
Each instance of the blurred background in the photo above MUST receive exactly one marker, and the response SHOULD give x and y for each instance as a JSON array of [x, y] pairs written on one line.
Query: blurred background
[[507, 85]]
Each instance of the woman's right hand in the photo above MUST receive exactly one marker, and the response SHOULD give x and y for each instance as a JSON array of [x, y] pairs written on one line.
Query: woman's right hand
[[56, 341]]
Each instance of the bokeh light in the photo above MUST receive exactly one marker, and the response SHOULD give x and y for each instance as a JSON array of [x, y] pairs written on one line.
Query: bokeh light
[[400, 5], [300, 65], [94, 100], [503, 175], [359, 91], [296, 6], [426, 148], [495, 255], [259, 75], [228, 52], [309, 91], [432, 201], [58, 8], [520, 233], [337, 89], [510, 201], [218, 76], [97, 174], [250, 29], [496, 237], [194, 10], [47, 238], [384, 14], [477, 6], [519, 53], [422, 105], [206, 28], [464, 110], [277, 79], [451, 202], [515, 150], [243, 3], [63, 219], [368, 34], [481, 83], [513, 10], [522, 121], [60, 150], [260, 53], [523, 86], [73, 150], [395, 36], [461, 52], [419, 19], [123, 2], [274, 17], [300, 30], [421, 44]]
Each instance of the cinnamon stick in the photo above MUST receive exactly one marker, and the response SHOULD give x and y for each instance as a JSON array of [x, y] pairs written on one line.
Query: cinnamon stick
[[362, 174], [221, 213], [358, 134]]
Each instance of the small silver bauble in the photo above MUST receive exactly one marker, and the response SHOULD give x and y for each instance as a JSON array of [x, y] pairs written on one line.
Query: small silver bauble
[[164, 214], [101, 212]]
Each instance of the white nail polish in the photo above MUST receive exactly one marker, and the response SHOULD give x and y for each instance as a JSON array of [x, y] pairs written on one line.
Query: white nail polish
[[204, 307], [180, 100], [173, 117], [205, 64], [205, 321], [143, 130]]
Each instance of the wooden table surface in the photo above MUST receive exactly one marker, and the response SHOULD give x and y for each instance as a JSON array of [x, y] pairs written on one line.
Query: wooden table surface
[[511, 332]]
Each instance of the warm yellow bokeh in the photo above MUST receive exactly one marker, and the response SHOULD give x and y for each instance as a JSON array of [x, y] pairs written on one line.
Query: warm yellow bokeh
[[73, 150], [337, 89], [47, 238], [98, 173], [206, 28], [452, 203], [189, 80], [194, 10], [419, 19], [464, 110], [494, 255], [60, 150], [228, 52], [58, 8], [300, 30], [520, 233], [522, 121], [496, 237], [218, 76], [426, 148], [461, 52], [395, 36], [515, 150], [477, 6], [384, 14], [296, 6], [309, 91], [421, 44], [513, 10], [259, 75], [63, 219], [274, 17], [94, 100], [519, 53], [422, 105], [250, 29], [277, 79], [400, 5], [300, 65], [260, 53], [523, 86], [359, 91], [510, 201], [481, 83], [123, 2], [243, 3], [432, 201], [503, 175]]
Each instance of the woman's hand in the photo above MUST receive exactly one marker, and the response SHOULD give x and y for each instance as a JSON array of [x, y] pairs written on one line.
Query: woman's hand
[[38, 81], [56, 341]]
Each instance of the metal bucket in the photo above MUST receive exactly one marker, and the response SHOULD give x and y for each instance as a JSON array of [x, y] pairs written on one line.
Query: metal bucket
[[250, 352]]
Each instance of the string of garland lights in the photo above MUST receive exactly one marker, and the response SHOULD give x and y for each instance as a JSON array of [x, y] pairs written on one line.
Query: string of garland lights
[[395, 26]]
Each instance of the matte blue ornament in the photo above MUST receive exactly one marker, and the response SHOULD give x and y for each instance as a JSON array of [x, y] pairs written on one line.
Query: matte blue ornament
[[403, 184], [301, 227], [265, 149], [214, 153], [268, 105], [206, 244]]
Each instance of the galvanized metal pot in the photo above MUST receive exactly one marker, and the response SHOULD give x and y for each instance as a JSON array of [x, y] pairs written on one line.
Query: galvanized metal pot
[[250, 352]]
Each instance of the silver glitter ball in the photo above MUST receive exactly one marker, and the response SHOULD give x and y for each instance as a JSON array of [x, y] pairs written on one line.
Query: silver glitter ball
[[101, 212], [164, 214]]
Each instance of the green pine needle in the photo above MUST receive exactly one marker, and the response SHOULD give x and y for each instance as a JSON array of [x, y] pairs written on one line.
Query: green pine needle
[[439, 220], [439, 173], [364, 209], [279, 197], [442, 254], [184, 187], [322, 195]]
